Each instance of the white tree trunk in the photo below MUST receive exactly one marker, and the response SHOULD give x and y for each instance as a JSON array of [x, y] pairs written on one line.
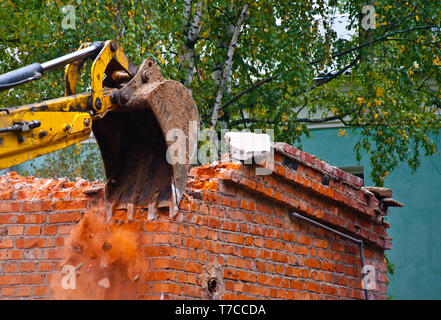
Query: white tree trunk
[[192, 34], [228, 65]]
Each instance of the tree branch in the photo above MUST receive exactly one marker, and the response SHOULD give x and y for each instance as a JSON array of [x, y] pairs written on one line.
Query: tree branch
[[258, 84], [192, 34], [327, 78], [369, 43], [254, 86], [11, 40], [228, 66], [306, 120], [187, 16]]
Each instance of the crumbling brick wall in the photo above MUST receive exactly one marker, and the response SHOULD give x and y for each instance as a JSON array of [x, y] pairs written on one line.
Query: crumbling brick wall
[[233, 237], [36, 216]]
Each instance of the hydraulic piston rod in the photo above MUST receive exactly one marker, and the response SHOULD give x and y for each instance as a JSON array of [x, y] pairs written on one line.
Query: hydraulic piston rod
[[35, 71]]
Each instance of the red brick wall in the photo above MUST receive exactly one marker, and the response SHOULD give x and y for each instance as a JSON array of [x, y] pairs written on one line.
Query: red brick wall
[[36, 216], [233, 226]]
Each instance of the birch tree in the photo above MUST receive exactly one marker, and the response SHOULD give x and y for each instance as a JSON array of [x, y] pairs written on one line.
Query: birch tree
[[271, 64]]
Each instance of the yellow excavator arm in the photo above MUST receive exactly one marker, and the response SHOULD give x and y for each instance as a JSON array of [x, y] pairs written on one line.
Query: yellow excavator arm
[[130, 109]]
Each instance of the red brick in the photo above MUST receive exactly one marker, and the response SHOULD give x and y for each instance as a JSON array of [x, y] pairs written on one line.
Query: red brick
[[304, 240], [213, 246], [327, 266], [192, 291], [161, 238], [6, 243], [64, 217], [229, 296], [57, 253], [30, 243], [231, 274], [40, 290], [310, 286], [192, 231], [25, 194], [6, 218], [156, 226], [247, 276], [230, 202], [65, 229], [33, 230], [8, 291], [214, 223], [297, 285], [58, 241], [70, 205], [248, 252], [36, 206], [10, 267], [279, 257], [31, 218], [9, 206], [24, 291], [312, 263], [193, 267], [15, 230], [264, 279], [165, 263], [9, 279], [320, 243], [193, 243], [247, 205], [10, 254], [33, 278], [167, 288], [212, 198], [45, 266], [61, 194], [50, 230], [27, 267]]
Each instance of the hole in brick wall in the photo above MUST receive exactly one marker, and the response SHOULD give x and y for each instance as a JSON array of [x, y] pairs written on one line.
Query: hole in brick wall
[[196, 195], [211, 285], [325, 180], [290, 163]]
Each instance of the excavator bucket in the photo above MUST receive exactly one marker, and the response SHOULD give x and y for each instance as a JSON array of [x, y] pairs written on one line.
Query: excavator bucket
[[134, 138]]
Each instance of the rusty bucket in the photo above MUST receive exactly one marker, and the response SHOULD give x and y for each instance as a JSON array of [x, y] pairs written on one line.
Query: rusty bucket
[[133, 142]]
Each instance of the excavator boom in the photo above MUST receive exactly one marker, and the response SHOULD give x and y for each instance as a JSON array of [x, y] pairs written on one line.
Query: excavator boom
[[130, 110]]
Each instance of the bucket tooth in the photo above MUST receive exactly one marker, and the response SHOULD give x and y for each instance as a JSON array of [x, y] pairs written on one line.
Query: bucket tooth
[[130, 209]]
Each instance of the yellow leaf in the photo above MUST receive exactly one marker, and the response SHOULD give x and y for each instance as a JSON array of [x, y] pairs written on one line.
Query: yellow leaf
[[379, 92], [342, 132], [360, 100]]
